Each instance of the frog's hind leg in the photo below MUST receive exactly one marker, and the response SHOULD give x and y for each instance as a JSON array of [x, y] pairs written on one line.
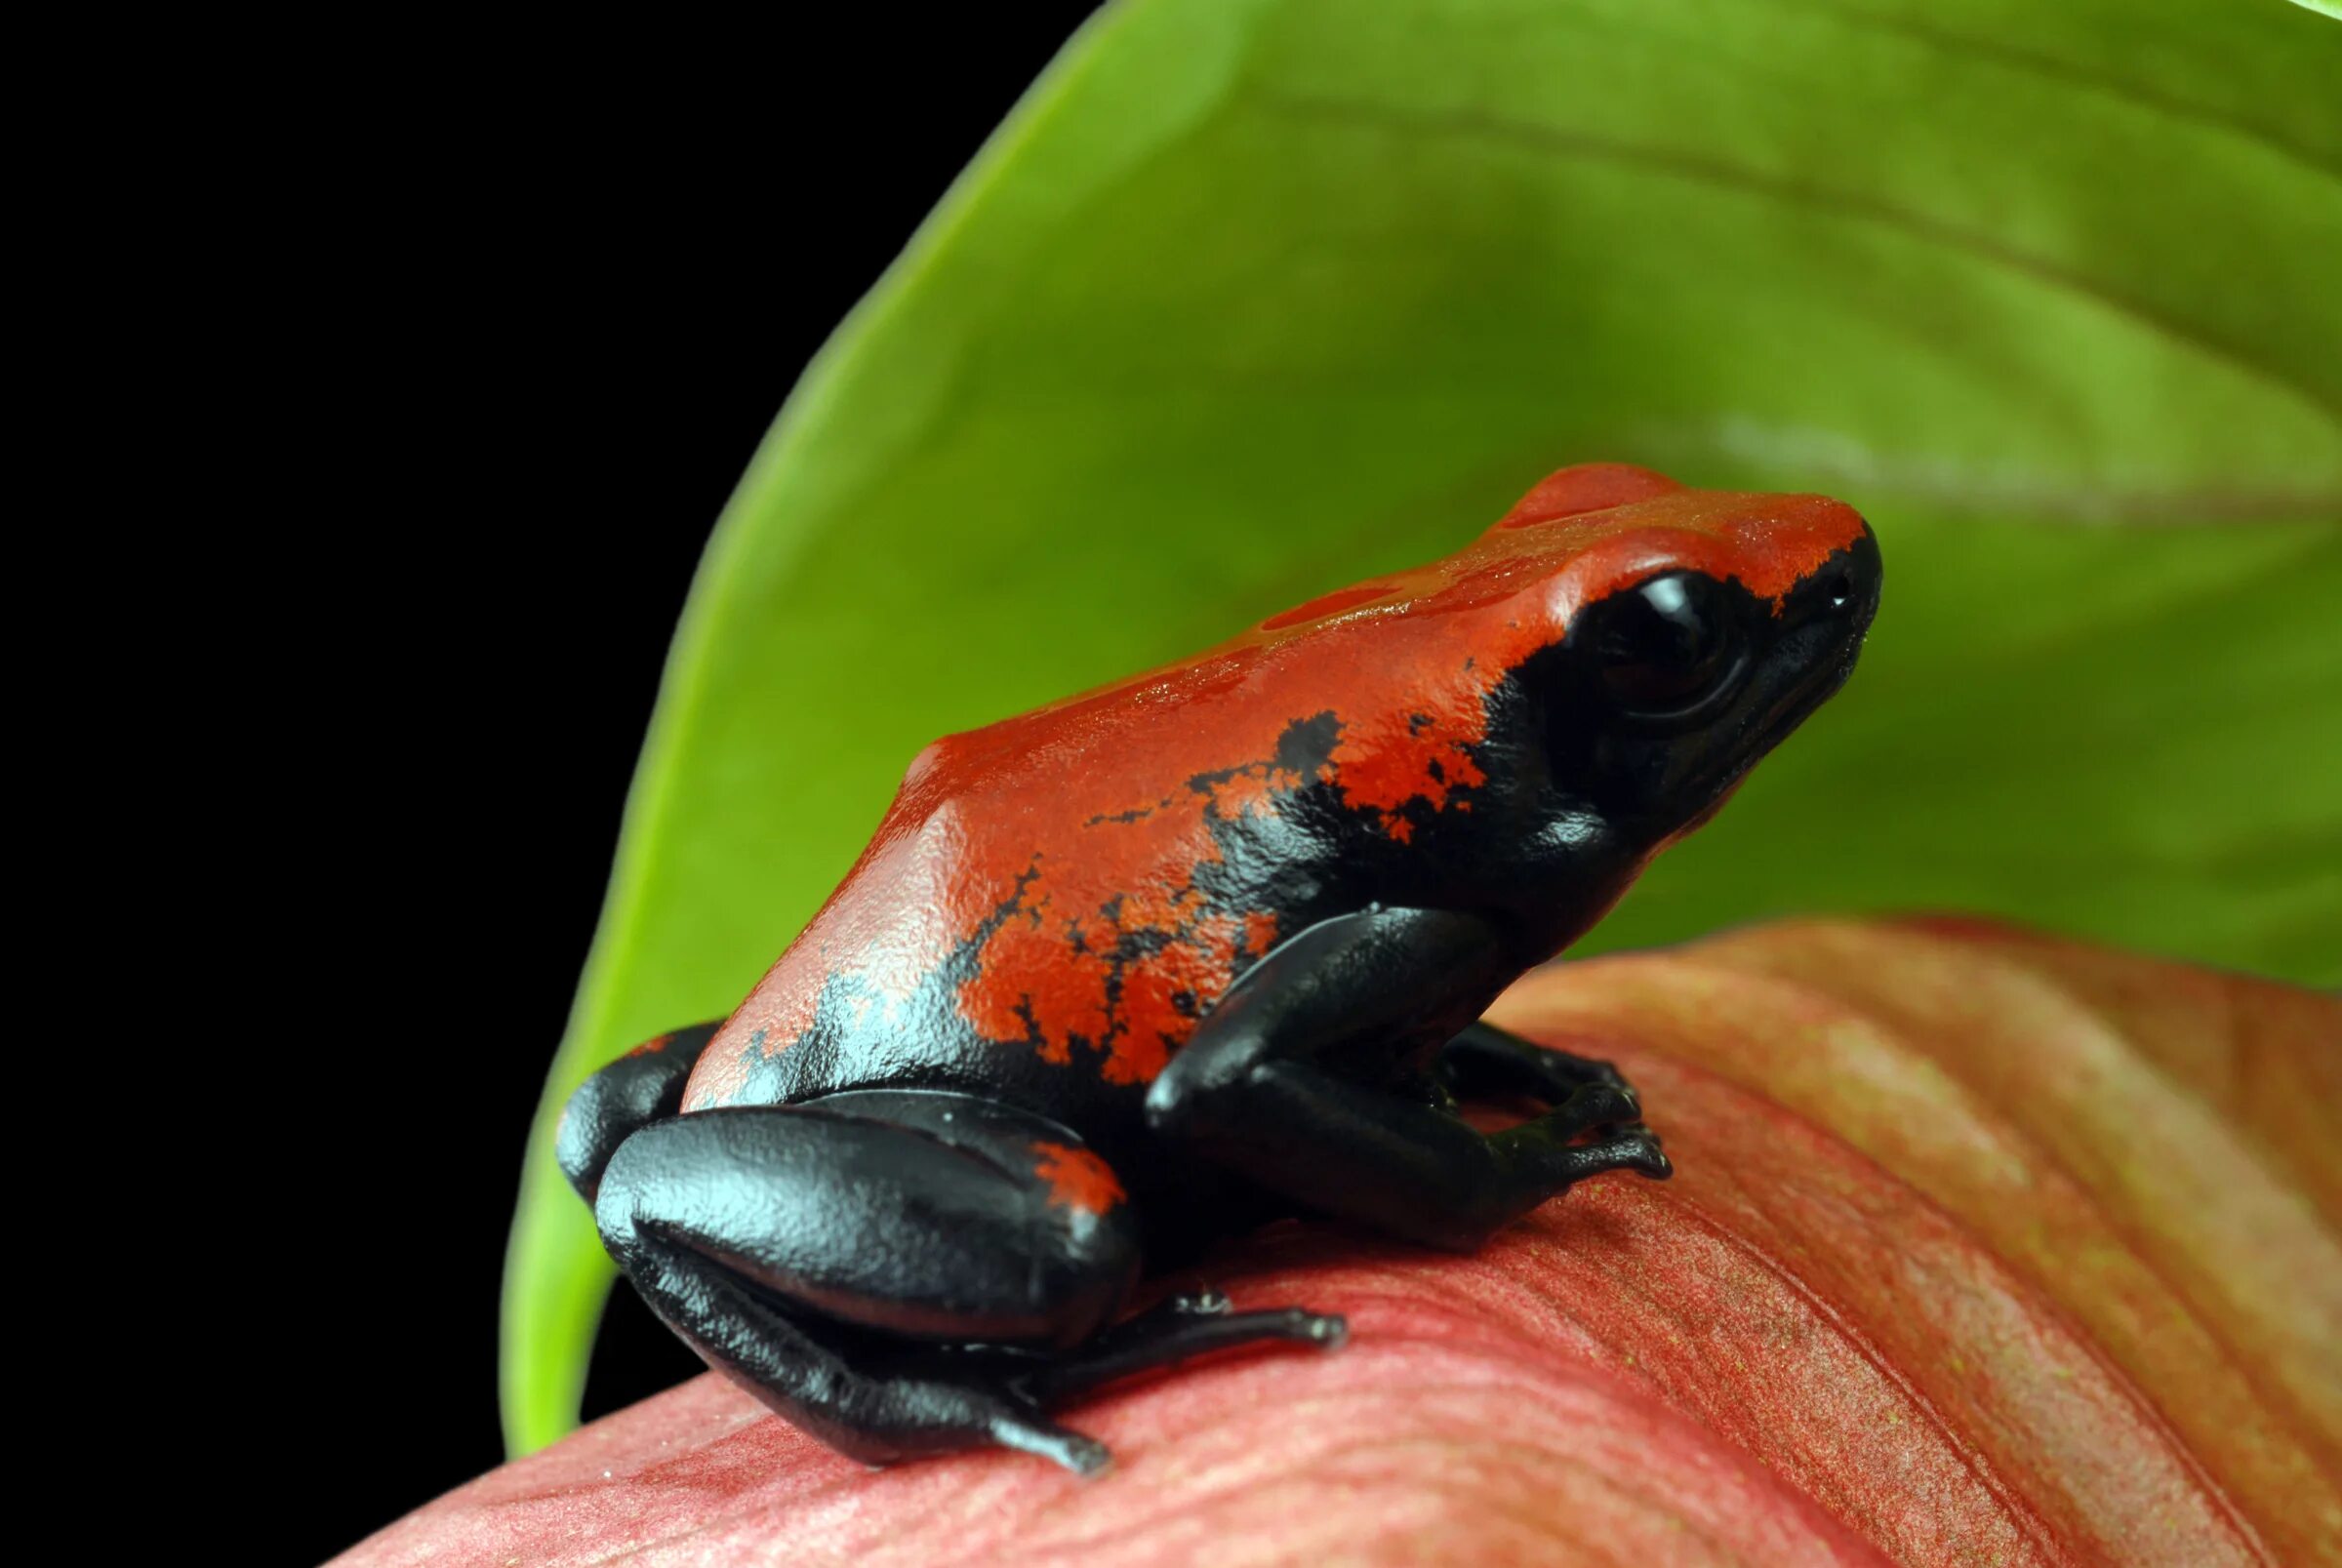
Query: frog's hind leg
[[898, 1272]]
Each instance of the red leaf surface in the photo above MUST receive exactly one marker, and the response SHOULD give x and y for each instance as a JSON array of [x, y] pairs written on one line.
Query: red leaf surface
[[1985, 1247]]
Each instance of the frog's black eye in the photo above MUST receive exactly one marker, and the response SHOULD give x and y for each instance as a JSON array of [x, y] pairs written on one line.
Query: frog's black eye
[[1666, 644]]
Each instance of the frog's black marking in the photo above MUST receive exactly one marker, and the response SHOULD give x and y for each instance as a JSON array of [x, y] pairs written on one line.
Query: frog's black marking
[[1136, 813], [1303, 748]]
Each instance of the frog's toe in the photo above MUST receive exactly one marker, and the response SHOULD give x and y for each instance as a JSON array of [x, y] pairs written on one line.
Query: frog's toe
[[1085, 1456], [1579, 1075], [1206, 1301], [1636, 1148], [1328, 1331], [1157, 1339]]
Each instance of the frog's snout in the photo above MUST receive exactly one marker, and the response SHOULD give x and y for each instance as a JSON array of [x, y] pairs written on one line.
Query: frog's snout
[[1847, 587]]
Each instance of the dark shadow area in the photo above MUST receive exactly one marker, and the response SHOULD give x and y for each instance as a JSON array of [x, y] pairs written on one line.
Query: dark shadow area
[[528, 316]]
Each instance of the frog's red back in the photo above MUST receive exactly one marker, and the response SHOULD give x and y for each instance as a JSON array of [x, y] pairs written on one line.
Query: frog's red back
[[1064, 886]]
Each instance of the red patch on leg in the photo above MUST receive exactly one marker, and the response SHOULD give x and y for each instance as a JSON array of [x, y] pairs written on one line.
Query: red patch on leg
[[1077, 1179]]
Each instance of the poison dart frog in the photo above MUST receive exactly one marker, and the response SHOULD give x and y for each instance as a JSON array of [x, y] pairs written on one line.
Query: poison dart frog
[[1207, 946]]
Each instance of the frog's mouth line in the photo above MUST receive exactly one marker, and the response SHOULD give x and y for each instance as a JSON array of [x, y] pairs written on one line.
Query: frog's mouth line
[[1776, 720]]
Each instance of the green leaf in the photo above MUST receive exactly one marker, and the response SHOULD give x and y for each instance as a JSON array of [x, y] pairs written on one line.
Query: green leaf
[[1251, 299]]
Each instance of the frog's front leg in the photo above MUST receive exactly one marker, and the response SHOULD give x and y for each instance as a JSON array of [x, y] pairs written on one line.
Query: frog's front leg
[[641, 1087], [1260, 1089], [898, 1272]]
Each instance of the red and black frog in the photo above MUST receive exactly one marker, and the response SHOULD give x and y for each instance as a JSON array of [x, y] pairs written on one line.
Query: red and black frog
[[1204, 947]]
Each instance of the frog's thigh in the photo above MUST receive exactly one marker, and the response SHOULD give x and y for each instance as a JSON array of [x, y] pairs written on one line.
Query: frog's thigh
[[926, 1215]]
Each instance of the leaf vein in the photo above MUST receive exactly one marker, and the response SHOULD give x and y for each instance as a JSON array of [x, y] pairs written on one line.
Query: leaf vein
[[1474, 125]]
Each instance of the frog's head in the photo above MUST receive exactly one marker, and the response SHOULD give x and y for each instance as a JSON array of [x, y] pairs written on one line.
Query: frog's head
[[1702, 627]]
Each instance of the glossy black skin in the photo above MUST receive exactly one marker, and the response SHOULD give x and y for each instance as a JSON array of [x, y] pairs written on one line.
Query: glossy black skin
[[882, 1264]]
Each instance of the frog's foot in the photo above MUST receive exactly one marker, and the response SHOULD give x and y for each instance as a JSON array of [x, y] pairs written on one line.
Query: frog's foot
[[1205, 1300], [1628, 1146], [1085, 1456], [941, 1413], [1178, 1329], [1486, 1060]]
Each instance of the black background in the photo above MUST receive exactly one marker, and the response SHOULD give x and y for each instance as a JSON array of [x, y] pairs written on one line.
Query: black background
[[529, 315]]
